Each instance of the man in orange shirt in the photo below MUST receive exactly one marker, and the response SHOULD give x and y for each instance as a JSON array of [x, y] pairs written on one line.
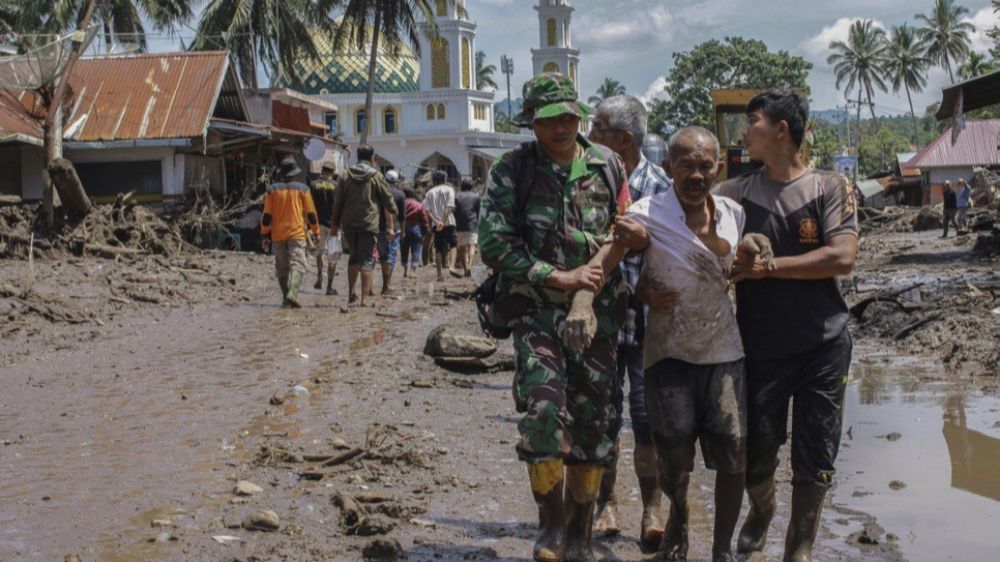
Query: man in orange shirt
[[288, 212]]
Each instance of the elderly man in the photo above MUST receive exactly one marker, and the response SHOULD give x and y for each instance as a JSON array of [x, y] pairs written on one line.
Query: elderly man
[[793, 318], [620, 124], [548, 209], [693, 356]]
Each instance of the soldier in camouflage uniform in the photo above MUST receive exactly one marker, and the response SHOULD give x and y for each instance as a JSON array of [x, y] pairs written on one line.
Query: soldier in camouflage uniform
[[546, 247]]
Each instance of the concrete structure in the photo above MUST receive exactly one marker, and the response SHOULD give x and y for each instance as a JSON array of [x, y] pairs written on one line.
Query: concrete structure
[[555, 52], [427, 112]]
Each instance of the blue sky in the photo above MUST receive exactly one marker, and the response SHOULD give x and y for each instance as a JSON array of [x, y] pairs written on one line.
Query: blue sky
[[632, 40]]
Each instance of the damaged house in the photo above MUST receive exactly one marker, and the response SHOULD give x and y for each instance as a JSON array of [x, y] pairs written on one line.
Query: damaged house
[[161, 125]]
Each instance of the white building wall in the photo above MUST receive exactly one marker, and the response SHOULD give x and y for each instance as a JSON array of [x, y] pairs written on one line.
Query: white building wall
[[32, 163]]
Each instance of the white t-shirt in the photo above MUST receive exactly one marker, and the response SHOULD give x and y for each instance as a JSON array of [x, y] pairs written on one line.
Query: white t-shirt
[[438, 199], [702, 328]]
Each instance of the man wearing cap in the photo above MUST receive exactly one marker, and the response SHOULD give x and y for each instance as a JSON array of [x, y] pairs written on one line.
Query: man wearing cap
[[548, 209], [288, 212], [390, 227], [322, 191]]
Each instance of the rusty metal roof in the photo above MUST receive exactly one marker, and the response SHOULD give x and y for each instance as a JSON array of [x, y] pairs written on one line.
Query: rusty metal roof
[[15, 121], [976, 146], [152, 96], [978, 92]]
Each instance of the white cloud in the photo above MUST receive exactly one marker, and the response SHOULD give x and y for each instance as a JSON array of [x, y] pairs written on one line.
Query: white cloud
[[984, 20], [655, 91], [656, 26], [815, 49]]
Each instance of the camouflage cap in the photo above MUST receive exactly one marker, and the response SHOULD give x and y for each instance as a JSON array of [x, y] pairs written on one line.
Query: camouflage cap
[[549, 95]]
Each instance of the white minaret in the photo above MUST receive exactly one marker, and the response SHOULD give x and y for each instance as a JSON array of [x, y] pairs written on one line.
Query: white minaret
[[556, 52], [449, 62]]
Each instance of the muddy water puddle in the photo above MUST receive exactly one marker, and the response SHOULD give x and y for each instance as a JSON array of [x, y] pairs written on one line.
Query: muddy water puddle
[[922, 455]]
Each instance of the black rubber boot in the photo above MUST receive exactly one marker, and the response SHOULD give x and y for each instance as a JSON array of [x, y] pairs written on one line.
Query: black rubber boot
[[753, 534], [292, 296], [582, 485], [807, 506], [283, 283], [547, 487]]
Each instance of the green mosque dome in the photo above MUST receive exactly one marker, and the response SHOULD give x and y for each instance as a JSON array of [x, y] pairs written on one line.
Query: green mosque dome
[[346, 72]]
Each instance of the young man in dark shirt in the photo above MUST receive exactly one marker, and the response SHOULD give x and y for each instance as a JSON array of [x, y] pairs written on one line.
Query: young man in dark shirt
[[792, 318], [467, 224]]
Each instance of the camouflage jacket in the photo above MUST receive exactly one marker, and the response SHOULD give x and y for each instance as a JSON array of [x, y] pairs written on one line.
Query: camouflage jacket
[[569, 212]]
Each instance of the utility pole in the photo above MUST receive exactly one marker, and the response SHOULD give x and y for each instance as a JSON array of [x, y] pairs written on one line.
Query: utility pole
[[507, 67]]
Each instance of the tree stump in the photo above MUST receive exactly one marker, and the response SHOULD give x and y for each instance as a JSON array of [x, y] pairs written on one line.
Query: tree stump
[[69, 187]]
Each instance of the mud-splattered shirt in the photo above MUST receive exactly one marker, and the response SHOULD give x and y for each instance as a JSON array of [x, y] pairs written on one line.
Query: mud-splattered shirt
[[783, 317], [702, 328]]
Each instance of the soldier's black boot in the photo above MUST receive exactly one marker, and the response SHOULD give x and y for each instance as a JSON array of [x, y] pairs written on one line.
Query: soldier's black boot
[[807, 506], [292, 296], [753, 534], [283, 283], [582, 485], [547, 487]]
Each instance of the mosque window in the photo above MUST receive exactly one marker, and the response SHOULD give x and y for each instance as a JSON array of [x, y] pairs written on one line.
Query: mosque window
[[440, 69], [466, 64], [360, 123], [430, 112], [550, 67], [479, 111], [440, 111], [389, 121], [330, 118], [442, 8], [572, 72], [550, 32], [565, 33]]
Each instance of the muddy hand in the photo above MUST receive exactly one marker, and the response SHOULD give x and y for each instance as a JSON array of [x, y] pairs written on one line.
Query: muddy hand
[[756, 244], [581, 324]]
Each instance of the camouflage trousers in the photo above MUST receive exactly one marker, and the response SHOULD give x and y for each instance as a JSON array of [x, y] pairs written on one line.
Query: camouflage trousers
[[566, 397]]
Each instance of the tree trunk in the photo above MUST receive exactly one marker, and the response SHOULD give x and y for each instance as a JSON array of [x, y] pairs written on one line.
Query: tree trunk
[[913, 117], [947, 64], [63, 176], [860, 91], [376, 33]]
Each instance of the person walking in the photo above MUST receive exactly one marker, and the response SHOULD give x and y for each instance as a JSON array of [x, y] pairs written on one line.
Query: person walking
[[620, 124], [467, 224], [440, 203], [792, 317], [548, 208], [322, 190], [289, 212], [950, 209], [388, 245], [361, 194], [963, 202], [416, 224]]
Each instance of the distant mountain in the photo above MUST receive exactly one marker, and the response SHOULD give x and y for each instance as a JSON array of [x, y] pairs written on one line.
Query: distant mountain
[[829, 115], [501, 106]]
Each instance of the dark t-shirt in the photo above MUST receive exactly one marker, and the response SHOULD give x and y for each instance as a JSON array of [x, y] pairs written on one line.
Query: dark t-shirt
[[322, 191], [783, 317], [466, 211], [950, 199], [400, 201]]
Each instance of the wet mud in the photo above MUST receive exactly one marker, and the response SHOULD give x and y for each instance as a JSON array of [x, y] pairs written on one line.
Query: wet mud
[[125, 439]]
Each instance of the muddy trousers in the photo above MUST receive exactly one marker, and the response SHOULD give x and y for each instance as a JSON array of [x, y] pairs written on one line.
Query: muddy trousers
[[289, 256], [815, 382], [565, 396]]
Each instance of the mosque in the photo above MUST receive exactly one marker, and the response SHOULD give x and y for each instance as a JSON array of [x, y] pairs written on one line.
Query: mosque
[[428, 114]]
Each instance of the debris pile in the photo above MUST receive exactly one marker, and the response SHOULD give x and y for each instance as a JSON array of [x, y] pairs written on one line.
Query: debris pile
[[464, 353]]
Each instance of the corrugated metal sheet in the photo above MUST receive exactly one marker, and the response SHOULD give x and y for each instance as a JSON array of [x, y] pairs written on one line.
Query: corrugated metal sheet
[[869, 188], [149, 96], [976, 146], [14, 119], [905, 170]]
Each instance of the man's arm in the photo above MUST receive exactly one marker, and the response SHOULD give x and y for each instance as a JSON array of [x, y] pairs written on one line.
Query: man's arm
[[836, 258]]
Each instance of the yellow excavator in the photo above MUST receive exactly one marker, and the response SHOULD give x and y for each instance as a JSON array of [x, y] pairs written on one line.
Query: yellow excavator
[[730, 105]]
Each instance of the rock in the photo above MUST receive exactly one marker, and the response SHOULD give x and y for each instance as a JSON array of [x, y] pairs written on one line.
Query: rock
[[244, 488], [226, 539], [424, 523], [73, 558], [894, 436], [929, 218], [163, 537], [444, 343], [276, 400], [897, 485], [374, 525], [383, 549], [865, 538], [157, 523], [476, 364], [263, 520]]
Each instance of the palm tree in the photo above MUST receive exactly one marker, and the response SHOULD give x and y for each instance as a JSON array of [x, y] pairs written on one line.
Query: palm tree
[[274, 31], [389, 23], [976, 64], [484, 72], [906, 63], [125, 18], [860, 63], [609, 88], [946, 37]]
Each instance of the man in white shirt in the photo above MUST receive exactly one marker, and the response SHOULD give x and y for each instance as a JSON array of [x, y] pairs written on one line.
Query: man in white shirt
[[440, 204], [693, 354]]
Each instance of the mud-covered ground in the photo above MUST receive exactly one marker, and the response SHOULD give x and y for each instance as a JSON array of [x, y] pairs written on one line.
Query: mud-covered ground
[[139, 391]]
